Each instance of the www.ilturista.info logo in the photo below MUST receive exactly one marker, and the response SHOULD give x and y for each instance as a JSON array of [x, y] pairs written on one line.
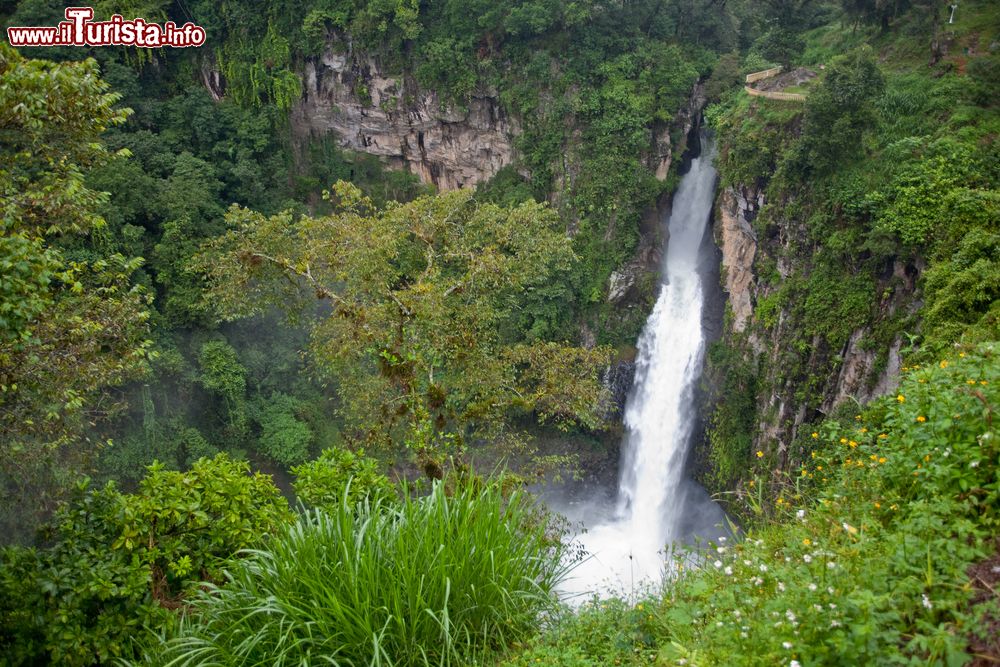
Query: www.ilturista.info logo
[[79, 30]]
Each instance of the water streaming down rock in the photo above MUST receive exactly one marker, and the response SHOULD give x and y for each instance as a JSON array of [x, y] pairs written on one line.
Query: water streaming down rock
[[627, 551]]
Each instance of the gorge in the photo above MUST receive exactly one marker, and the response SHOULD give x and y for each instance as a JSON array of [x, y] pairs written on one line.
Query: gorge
[[628, 546]]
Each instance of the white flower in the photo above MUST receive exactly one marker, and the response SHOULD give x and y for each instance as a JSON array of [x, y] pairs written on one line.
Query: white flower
[[787, 645], [719, 623], [801, 514], [789, 615], [757, 581], [722, 540], [721, 550], [736, 613], [834, 623], [817, 607], [744, 635], [927, 602], [794, 663], [832, 606], [830, 565], [807, 558], [781, 587], [728, 570], [974, 464], [763, 568], [829, 589], [812, 587], [717, 564], [746, 562]]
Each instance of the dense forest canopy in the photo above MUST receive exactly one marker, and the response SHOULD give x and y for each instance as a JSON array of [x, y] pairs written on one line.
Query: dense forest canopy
[[237, 359]]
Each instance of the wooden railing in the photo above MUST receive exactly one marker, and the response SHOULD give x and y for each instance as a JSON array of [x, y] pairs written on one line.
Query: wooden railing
[[797, 97], [757, 76], [766, 74]]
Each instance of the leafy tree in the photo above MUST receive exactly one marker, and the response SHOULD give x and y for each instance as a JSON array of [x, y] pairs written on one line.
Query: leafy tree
[[224, 375], [283, 435], [839, 111], [69, 330], [417, 295], [780, 45]]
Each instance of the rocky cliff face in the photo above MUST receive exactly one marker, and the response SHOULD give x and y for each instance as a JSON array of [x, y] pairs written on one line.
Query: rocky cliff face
[[735, 236], [798, 382], [351, 96]]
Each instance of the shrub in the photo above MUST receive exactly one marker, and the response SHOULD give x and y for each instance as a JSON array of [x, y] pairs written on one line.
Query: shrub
[[118, 562], [322, 483]]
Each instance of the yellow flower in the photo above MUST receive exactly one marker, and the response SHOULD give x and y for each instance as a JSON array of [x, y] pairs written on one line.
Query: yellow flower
[[970, 382], [819, 467], [815, 435], [813, 454], [901, 398], [857, 418], [921, 419], [843, 441], [881, 459], [882, 436], [878, 505], [760, 454], [927, 458], [864, 430], [852, 444], [961, 354], [982, 382], [807, 541], [943, 364]]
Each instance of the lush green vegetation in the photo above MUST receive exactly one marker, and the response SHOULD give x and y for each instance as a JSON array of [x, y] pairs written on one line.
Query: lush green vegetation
[[859, 556], [881, 212], [114, 563], [190, 320]]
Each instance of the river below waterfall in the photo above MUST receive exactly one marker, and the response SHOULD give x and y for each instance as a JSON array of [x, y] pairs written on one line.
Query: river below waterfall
[[629, 531]]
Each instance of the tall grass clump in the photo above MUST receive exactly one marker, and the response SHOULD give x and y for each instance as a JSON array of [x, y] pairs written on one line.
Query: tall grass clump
[[438, 580]]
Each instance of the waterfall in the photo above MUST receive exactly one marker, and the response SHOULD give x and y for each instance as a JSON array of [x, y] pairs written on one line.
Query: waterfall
[[627, 551]]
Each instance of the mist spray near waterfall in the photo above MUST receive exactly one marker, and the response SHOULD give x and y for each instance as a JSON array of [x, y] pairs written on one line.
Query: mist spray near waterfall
[[627, 552]]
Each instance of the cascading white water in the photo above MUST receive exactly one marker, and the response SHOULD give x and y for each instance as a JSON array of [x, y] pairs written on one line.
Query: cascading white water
[[627, 552]]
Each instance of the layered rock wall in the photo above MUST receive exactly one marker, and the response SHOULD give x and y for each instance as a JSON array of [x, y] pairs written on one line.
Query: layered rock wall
[[371, 110]]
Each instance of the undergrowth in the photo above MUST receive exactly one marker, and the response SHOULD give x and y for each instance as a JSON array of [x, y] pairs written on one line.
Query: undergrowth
[[861, 558], [439, 580]]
